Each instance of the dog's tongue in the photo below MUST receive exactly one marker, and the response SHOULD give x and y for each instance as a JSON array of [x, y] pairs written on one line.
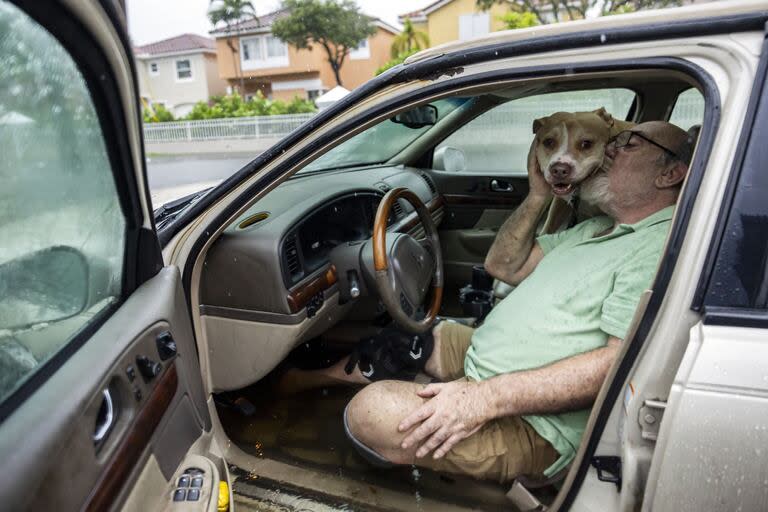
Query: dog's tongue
[[562, 189]]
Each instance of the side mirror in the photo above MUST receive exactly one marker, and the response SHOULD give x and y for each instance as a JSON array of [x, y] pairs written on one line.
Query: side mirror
[[418, 117], [449, 159], [45, 286]]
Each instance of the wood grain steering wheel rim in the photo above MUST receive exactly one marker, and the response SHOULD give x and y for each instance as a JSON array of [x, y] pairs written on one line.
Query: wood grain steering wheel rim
[[382, 267]]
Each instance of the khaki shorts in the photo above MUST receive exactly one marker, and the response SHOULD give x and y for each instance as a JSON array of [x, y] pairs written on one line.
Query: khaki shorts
[[503, 448]]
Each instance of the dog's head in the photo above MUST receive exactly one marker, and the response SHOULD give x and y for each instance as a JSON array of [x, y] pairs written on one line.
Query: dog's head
[[569, 146]]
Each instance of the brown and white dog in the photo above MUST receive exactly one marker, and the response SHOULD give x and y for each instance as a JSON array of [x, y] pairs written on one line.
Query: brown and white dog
[[569, 147]]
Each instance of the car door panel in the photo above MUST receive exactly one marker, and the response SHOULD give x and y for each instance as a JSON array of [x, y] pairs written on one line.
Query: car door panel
[[51, 447], [472, 217]]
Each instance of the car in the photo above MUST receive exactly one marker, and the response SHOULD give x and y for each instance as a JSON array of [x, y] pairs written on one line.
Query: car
[[138, 347]]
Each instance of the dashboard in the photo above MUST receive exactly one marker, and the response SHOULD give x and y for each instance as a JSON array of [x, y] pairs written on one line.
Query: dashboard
[[273, 258]]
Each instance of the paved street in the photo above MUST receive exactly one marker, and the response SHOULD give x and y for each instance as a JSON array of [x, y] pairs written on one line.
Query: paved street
[[171, 177]]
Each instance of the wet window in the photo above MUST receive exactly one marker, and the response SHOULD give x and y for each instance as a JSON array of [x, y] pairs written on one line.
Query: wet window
[[61, 226], [497, 142]]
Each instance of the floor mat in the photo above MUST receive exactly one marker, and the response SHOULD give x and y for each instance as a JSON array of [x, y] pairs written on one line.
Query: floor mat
[[306, 430]]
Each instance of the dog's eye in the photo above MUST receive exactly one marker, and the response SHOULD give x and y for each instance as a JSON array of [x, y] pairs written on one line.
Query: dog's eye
[[549, 142], [586, 144]]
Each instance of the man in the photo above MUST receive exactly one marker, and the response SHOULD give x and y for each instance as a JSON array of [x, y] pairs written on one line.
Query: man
[[517, 389]]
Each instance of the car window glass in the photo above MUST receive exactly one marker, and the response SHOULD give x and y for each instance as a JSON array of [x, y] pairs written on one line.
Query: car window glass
[[61, 226], [497, 141], [380, 142], [689, 109]]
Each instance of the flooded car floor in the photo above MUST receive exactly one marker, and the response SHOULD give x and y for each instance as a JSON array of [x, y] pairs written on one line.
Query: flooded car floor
[[306, 430]]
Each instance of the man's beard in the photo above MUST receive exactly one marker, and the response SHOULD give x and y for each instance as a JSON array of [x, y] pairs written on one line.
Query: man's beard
[[595, 190]]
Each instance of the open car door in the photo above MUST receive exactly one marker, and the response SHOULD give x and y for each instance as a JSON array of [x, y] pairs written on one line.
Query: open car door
[[101, 398]]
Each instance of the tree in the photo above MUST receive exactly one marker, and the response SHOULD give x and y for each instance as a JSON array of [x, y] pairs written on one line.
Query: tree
[[394, 62], [409, 40], [514, 20], [335, 25], [562, 10], [232, 13]]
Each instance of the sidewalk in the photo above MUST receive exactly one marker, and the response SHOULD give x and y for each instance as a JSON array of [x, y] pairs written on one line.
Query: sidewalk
[[211, 146]]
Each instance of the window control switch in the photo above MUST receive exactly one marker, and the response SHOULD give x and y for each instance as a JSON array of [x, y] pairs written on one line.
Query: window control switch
[[193, 495], [184, 481], [197, 482], [179, 495]]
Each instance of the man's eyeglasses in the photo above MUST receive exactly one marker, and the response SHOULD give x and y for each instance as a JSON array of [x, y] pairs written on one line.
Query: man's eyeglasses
[[623, 139]]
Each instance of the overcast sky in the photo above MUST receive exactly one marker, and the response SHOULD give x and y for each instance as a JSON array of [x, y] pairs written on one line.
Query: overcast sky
[[152, 20]]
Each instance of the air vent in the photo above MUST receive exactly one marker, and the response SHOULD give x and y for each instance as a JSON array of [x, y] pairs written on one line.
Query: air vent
[[429, 182], [397, 209], [253, 219], [291, 256], [384, 187]]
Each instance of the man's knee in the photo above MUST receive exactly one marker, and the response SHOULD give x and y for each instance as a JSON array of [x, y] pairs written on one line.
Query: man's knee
[[374, 414]]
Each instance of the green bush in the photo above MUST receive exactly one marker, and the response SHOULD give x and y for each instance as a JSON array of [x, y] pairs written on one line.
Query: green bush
[[397, 60], [233, 105], [160, 115]]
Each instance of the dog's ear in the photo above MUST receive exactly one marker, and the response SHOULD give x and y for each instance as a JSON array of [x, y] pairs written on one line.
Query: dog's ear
[[604, 115], [537, 124]]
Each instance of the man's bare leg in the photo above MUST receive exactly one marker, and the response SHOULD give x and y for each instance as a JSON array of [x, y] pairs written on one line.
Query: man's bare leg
[[295, 380]]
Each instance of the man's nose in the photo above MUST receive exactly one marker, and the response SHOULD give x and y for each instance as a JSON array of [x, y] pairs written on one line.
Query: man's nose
[[561, 170]]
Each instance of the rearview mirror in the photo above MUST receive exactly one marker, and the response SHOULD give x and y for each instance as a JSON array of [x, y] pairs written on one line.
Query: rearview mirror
[[418, 117], [44, 286]]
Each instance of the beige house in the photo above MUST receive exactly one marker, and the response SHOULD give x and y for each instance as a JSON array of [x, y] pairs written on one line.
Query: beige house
[[178, 72], [281, 71]]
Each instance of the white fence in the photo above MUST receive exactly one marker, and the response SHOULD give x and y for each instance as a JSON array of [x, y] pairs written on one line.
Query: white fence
[[268, 127]]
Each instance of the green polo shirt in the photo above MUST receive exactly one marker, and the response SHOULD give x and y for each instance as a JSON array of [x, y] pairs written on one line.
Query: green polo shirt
[[584, 290]]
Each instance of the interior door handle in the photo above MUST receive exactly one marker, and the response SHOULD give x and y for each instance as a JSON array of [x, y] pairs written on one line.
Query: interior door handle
[[501, 186], [105, 417]]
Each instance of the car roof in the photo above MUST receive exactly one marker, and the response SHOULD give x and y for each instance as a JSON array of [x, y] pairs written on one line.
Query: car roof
[[687, 13]]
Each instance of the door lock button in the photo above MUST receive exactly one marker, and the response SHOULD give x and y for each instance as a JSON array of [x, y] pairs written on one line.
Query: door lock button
[[148, 368]]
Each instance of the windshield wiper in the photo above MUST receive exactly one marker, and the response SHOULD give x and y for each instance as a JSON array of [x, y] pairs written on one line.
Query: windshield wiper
[[170, 210]]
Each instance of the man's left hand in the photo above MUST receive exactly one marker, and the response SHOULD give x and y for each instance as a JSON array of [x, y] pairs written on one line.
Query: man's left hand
[[455, 410]]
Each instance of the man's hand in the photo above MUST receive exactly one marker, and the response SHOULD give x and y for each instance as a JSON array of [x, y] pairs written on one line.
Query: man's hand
[[538, 186], [455, 410]]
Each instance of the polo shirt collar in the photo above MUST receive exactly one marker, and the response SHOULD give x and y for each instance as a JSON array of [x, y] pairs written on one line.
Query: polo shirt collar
[[663, 215]]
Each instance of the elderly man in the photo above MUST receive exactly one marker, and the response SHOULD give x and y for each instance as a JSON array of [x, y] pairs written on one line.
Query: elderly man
[[517, 389]]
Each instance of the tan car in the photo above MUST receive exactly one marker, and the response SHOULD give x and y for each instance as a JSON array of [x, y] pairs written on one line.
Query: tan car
[[138, 348]]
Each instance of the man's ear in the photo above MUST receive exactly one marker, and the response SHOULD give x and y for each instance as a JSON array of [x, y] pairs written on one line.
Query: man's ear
[[671, 176], [537, 123], [604, 115]]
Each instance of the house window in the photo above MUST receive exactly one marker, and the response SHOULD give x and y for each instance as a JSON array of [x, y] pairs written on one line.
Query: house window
[[473, 25], [183, 69], [263, 52], [313, 95], [362, 51], [154, 69]]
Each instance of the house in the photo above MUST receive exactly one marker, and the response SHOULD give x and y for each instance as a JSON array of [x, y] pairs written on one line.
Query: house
[[449, 20], [178, 72], [280, 71]]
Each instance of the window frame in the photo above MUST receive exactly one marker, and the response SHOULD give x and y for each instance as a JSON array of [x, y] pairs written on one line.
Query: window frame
[[361, 52], [142, 258], [428, 156], [259, 44], [191, 76]]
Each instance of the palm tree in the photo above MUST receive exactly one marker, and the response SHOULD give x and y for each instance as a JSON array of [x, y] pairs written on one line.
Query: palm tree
[[409, 40], [232, 13]]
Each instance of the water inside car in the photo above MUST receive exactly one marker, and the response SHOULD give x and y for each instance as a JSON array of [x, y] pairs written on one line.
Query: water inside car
[[277, 289]]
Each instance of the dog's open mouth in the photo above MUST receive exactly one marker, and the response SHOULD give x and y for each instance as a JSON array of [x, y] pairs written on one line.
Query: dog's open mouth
[[562, 189]]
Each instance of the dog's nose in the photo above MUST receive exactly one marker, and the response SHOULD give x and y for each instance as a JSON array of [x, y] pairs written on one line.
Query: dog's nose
[[561, 170]]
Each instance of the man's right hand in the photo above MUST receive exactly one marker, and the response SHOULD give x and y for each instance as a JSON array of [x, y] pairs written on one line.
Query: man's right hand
[[538, 186]]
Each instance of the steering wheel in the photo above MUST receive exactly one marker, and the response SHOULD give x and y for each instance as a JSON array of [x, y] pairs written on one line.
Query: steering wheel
[[404, 267]]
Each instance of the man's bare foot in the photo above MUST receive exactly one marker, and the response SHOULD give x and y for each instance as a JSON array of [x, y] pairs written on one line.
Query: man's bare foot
[[295, 380]]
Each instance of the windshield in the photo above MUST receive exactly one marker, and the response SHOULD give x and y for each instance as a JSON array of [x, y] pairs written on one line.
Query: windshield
[[381, 142]]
